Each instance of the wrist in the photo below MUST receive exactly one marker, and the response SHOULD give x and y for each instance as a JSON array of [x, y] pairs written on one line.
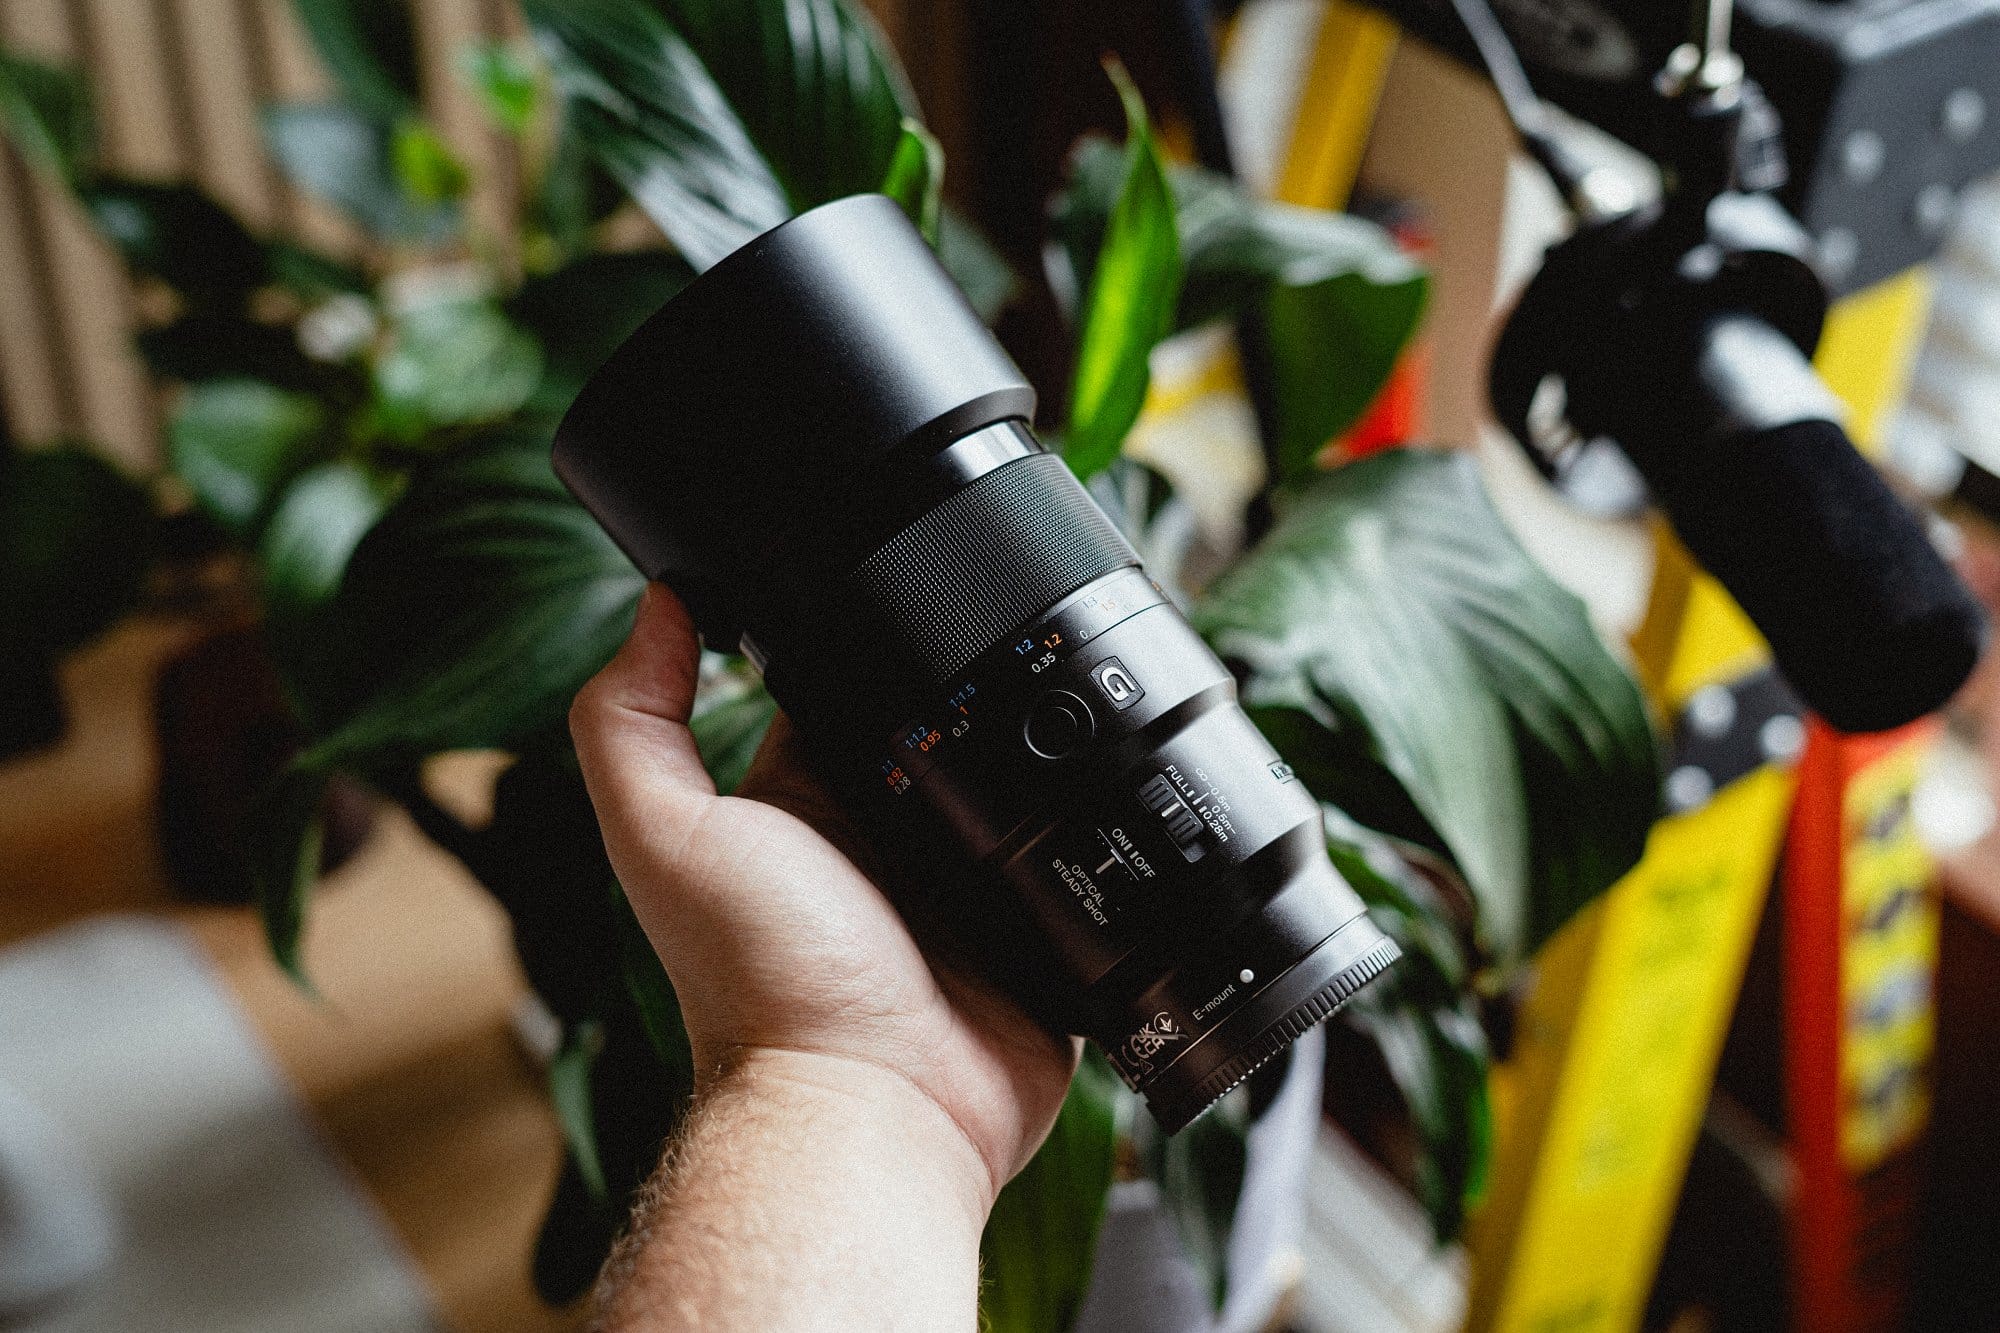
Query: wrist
[[874, 1116], [806, 1191]]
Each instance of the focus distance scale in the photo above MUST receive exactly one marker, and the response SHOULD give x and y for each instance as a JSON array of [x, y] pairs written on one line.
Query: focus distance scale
[[827, 457]]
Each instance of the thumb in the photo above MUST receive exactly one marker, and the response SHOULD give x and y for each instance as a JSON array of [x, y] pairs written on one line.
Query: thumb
[[630, 726]]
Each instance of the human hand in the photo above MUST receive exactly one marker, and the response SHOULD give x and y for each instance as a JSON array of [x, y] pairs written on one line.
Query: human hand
[[792, 969]]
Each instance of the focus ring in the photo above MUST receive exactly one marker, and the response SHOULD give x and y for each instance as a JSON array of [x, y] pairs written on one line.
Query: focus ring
[[993, 556]]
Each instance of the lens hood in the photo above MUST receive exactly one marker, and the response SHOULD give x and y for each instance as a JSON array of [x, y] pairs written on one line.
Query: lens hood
[[760, 397]]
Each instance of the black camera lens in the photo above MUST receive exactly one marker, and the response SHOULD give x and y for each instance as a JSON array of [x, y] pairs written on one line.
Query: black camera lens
[[822, 451]]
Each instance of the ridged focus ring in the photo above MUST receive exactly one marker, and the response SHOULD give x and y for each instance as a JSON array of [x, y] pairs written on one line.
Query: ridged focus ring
[[993, 556]]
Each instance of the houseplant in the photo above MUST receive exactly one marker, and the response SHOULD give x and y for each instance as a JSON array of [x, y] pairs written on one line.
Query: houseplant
[[373, 440]]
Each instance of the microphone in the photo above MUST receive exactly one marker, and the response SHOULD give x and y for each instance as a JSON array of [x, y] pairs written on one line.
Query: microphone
[[1688, 350], [1864, 618]]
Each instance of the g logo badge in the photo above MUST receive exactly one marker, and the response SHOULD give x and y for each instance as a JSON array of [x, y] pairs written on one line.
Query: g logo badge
[[1119, 687]]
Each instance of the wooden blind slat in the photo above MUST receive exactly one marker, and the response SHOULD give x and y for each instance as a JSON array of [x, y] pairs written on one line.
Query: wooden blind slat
[[114, 407], [141, 111], [445, 28], [297, 76], [222, 83], [32, 364]]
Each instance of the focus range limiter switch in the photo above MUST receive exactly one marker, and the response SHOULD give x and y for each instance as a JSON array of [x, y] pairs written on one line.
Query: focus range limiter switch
[[1183, 825]]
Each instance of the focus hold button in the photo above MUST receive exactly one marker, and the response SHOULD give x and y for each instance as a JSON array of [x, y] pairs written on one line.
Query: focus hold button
[[1058, 724]]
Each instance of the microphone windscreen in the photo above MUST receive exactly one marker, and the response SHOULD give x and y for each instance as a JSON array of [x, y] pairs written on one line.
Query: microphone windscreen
[[1864, 617]]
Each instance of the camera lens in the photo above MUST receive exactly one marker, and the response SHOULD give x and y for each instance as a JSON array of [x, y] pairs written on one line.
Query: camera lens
[[818, 446]]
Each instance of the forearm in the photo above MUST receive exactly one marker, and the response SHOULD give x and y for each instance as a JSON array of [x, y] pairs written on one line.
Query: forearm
[[805, 1192]]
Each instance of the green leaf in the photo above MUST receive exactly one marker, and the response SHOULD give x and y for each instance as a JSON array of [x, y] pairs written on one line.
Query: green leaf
[[507, 80], [1406, 655], [1041, 1238], [312, 276], [915, 178], [1337, 296], [1131, 303], [76, 537], [180, 235], [1437, 1054], [336, 153], [582, 311], [315, 528], [1402, 884], [569, 1090], [652, 994], [1425, 1021], [235, 442], [425, 166], [452, 359], [46, 111], [1333, 344], [643, 105], [1200, 1174], [285, 835], [985, 278], [471, 614], [369, 46], [1161, 526], [729, 723], [813, 82]]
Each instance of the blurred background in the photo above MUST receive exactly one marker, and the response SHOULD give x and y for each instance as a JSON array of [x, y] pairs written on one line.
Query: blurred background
[[268, 267]]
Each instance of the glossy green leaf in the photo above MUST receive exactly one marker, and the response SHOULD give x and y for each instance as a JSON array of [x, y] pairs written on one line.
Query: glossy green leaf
[[583, 310], [235, 442], [339, 154], [1423, 1017], [641, 102], [312, 276], [652, 994], [369, 46], [1200, 1174], [426, 168], [452, 360], [813, 82], [180, 235], [729, 723], [471, 614], [570, 1092], [1336, 295], [1412, 893], [1133, 288], [1041, 1238], [1436, 1052], [1333, 344], [1161, 526], [46, 111], [916, 177], [507, 80], [978, 269], [1407, 655], [319, 520], [285, 836], [76, 537]]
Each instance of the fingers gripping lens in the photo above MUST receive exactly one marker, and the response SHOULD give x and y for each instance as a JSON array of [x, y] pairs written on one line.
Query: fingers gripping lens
[[821, 450]]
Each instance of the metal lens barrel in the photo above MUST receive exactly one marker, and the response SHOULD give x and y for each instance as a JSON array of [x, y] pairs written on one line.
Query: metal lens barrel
[[818, 446]]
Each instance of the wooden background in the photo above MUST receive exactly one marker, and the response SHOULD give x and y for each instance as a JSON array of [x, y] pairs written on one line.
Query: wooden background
[[178, 84]]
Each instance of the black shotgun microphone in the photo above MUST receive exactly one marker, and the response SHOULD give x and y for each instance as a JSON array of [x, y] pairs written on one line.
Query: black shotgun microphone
[[1864, 618], [1692, 359]]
